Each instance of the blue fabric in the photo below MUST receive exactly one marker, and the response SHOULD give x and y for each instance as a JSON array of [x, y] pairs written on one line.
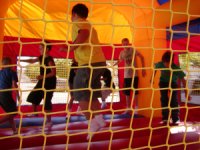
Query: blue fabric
[[162, 1], [38, 121], [6, 78], [194, 28]]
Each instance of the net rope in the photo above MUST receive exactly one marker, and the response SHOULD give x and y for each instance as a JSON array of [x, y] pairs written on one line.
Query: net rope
[[192, 87]]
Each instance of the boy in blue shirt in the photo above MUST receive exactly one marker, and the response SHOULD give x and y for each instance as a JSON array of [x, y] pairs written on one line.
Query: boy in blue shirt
[[8, 80]]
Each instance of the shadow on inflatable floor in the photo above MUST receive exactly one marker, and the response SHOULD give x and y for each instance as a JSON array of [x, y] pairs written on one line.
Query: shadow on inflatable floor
[[38, 121]]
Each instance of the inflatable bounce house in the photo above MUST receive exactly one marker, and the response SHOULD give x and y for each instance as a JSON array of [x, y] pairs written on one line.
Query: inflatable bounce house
[[152, 27]]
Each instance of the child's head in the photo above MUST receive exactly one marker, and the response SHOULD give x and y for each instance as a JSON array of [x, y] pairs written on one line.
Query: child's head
[[6, 61], [166, 58], [74, 63], [79, 11], [125, 41], [48, 47]]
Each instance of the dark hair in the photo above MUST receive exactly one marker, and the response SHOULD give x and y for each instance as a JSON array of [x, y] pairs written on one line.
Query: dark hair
[[125, 39], [108, 78], [166, 56], [6, 61], [81, 10], [48, 45]]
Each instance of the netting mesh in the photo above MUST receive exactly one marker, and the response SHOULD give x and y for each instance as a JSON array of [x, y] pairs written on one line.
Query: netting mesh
[[149, 39]]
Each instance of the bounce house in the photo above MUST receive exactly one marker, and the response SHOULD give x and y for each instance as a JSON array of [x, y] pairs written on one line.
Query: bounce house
[[152, 26]]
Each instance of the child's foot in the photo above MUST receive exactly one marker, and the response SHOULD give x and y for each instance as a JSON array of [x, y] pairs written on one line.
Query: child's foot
[[69, 107], [100, 120], [15, 132], [175, 121], [127, 112], [103, 105], [163, 122], [94, 127], [48, 124], [32, 115], [78, 111], [96, 124], [135, 112]]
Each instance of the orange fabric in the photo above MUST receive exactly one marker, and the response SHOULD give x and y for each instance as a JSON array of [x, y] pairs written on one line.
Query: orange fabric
[[144, 22]]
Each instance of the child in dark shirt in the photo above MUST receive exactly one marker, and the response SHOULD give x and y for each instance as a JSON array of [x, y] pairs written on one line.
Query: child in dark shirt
[[49, 76], [170, 74]]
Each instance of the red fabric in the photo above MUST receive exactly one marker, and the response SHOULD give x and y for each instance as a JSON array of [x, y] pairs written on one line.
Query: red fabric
[[30, 48], [126, 132], [181, 44], [184, 45]]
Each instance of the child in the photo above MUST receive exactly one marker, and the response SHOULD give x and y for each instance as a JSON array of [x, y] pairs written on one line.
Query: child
[[36, 96], [107, 78], [71, 81], [170, 74], [128, 55], [8, 80], [91, 62]]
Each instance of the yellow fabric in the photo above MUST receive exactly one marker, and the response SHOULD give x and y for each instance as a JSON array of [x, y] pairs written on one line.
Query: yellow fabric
[[144, 22], [90, 52], [132, 19], [54, 23]]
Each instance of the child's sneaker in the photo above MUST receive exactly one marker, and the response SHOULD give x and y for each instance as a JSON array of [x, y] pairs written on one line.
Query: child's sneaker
[[163, 122], [15, 132], [94, 127], [127, 112], [48, 124], [176, 121], [100, 120]]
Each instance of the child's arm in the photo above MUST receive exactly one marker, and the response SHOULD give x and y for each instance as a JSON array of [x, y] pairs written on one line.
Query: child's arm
[[51, 74], [143, 63], [120, 59], [32, 60], [186, 91], [154, 73], [83, 35], [15, 86], [153, 76]]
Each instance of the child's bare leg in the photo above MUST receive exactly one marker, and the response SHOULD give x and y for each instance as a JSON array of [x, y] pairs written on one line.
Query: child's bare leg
[[70, 104], [13, 124], [34, 110], [97, 121], [10, 118], [48, 123], [84, 106], [136, 104], [34, 107], [48, 116], [128, 105]]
